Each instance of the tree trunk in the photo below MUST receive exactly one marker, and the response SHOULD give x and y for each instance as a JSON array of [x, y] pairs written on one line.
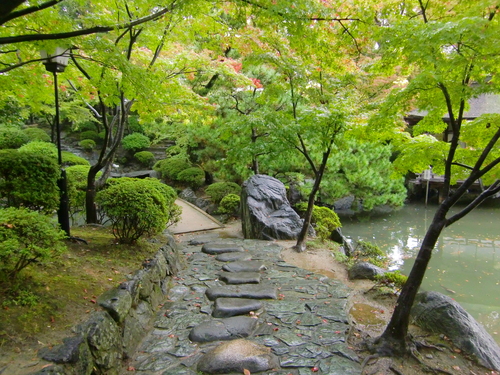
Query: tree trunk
[[394, 338], [300, 246], [90, 207]]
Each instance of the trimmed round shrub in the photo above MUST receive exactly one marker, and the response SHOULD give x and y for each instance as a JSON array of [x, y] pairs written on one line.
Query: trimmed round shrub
[[146, 158], [12, 137], [29, 179], [26, 237], [41, 148], [69, 158], [87, 125], [136, 207], [37, 134], [219, 190], [194, 177], [135, 142], [324, 219], [171, 167], [90, 134], [230, 204], [87, 144]]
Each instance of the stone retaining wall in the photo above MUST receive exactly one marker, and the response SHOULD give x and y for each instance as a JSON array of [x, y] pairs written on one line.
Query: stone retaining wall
[[111, 335]]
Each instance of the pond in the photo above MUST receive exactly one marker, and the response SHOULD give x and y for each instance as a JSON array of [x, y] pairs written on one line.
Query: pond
[[466, 261]]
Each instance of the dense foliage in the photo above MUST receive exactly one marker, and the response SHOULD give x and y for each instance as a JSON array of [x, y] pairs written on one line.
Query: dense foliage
[[219, 190], [137, 207], [29, 179], [194, 177], [135, 142], [146, 158], [12, 137], [26, 237]]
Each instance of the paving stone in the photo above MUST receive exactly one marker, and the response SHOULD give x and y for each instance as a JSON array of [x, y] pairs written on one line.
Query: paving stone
[[240, 277], [223, 329], [232, 257], [245, 266], [220, 248], [242, 291], [236, 356], [226, 307]]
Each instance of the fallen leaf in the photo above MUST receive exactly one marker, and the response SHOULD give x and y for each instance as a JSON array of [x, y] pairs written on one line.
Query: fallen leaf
[[246, 372]]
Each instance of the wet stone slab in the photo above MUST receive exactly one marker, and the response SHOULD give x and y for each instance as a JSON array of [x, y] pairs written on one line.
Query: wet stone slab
[[216, 248], [245, 266], [299, 318]]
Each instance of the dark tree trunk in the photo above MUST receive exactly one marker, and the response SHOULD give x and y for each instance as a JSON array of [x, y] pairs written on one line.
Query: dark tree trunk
[[90, 207]]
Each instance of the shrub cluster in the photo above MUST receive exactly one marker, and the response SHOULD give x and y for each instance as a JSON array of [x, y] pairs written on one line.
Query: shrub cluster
[[37, 134], [230, 204], [146, 158], [26, 237], [87, 144], [324, 220], [171, 167], [219, 190], [193, 177], [12, 137], [135, 142], [138, 207]]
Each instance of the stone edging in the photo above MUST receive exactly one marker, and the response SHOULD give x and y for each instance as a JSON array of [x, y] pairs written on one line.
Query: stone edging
[[112, 334]]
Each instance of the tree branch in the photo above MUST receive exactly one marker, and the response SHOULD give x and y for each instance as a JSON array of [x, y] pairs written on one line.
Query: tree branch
[[92, 30], [23, 12]]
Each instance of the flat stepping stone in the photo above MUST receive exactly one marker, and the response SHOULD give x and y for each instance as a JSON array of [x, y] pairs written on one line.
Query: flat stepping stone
[[245, 266], [241, 291], [240, 277], [236, 356], [232, 257], [223, 329], [226, 307], [221, 248]]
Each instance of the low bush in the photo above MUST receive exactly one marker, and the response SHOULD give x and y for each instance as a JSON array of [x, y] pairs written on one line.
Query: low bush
[[68, 158], [29, 179], [395, 278], [12, 137], [219, 190], [146, 158], [194, 177], [40, 148], [171, 167], [37, 134], [368, 252], [230, 204], [87, 144], [90, 134], [137, 207], [135, 142], [26, 237], [324, 219]]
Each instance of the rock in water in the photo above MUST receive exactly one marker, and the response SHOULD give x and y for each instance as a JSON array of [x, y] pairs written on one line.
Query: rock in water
[[441, 314], [266, 212], [236, 356], [365, 270]]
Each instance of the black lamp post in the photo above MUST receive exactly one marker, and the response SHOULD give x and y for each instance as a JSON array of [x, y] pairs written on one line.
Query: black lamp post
[[56, 63]]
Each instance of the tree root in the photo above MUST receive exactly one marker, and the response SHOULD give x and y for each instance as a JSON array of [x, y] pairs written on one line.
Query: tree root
[[435, 370], [395, 370]]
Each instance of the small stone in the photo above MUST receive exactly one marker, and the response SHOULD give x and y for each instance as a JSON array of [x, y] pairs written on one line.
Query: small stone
[[226, 307], [429, 356]]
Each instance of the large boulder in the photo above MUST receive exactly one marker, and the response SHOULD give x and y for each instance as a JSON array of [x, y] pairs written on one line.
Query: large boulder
[[439, 313], [266, 213]]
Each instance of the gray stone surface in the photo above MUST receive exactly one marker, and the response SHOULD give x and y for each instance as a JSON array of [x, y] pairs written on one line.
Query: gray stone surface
[[233, 257], [223, 329], [117, 302], [236, 356], [266, 212], [306, 323], [245, 266], [220, 248], [365, 270], [439, 313], [242, 291], [240, 277], [225, 307]]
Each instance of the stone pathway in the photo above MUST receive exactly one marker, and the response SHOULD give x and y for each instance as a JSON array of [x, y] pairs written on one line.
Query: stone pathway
[[237, 306]]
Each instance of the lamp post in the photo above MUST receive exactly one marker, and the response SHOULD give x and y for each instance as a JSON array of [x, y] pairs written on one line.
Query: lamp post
[[56, 63]]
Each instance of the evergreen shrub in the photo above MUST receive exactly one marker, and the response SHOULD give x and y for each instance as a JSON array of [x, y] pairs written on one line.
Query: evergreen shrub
[[90, 134], [230, 204], [87, 144], [40, 148], [194, 177], [137, 207], [26, 237], [324, 219], [219, 190], [12, 137], [37, 134], [171, 167], [146, 158], [29, 179], [68, 158], [135, 142], [368, 252]]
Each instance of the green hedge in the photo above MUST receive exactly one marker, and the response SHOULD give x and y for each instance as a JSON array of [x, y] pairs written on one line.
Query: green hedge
[[219, 190]]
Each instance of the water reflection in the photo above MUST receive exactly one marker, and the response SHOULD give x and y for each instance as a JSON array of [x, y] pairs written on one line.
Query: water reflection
[[466, 261]]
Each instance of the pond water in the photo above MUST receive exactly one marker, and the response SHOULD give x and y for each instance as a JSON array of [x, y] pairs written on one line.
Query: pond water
[[466, 261]]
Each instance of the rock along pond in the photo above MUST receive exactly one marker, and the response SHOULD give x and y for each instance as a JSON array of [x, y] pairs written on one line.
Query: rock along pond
[[466, 261]]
